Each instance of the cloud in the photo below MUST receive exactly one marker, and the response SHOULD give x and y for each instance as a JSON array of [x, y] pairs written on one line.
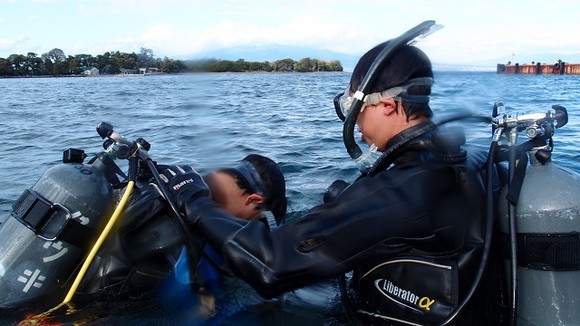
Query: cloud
[[176, 40], [6, 42], [473, 30], [13, 44]]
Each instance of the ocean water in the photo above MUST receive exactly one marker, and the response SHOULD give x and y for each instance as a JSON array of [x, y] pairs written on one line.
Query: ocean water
[[214, 120]]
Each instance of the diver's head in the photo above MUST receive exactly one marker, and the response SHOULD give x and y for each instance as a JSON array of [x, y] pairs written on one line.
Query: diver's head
[[253, 190], [399, 97], [395, 72], [273, 182], [408, 73]]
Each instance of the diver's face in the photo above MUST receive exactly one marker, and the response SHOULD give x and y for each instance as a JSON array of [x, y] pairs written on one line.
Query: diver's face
[[376, 123], [226, 193]]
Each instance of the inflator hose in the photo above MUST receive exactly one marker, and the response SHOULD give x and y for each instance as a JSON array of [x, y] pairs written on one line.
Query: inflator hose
[[512, 230], [100, 241]]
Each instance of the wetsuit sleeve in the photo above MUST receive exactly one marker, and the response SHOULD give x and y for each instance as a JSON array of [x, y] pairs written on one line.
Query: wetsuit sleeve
[[331, 239]]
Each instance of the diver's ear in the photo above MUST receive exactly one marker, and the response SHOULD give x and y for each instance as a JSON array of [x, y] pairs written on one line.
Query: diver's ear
[[390, 106], [255, 199]]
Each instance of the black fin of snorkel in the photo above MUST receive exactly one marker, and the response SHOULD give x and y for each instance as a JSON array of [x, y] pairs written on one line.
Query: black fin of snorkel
[[423, 29]]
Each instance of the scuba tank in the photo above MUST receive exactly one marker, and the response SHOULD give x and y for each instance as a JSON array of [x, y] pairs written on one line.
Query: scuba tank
[[540, 223], [51, 226]]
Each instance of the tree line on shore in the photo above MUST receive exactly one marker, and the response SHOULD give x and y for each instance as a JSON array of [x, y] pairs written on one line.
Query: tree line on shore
[[56, 63]]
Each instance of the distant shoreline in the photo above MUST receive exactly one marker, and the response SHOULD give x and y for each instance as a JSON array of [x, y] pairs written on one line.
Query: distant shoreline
[[55, 63], [173, 74]]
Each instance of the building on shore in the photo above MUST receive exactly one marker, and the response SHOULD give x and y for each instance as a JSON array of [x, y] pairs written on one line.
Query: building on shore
[[558, 68]]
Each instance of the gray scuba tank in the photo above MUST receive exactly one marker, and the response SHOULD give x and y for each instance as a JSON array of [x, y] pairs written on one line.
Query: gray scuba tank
[[548, 226], [50, 230]]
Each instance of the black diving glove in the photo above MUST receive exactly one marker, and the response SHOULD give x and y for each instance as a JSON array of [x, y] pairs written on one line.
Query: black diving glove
[[184, 183]]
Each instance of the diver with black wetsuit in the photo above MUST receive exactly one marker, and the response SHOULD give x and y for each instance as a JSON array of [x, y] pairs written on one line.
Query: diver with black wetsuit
[[410, 228]]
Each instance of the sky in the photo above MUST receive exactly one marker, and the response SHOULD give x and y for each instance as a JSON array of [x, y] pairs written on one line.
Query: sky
[[474, 31]]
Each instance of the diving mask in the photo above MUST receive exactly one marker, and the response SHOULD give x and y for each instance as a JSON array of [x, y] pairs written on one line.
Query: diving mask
[[343, 101]]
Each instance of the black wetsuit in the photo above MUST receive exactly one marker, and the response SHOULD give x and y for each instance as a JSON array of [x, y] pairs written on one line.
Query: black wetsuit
[[421, 200]]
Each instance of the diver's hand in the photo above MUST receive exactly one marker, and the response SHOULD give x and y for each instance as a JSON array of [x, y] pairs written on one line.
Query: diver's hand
[[184, 183]]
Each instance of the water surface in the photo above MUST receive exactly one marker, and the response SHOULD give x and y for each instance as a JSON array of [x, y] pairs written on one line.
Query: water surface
[[212, 120]]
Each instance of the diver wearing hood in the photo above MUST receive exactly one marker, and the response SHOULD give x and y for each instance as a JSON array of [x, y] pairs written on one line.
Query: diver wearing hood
[[409, 228], [147, 245]]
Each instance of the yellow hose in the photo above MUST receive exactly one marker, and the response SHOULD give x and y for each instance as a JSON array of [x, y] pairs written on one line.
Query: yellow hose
[[95, 248]]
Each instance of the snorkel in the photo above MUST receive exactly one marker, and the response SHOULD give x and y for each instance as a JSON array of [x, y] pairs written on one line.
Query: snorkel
[[365, 161]]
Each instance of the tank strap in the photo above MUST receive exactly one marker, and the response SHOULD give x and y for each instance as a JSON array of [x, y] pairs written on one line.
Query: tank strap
[[35, 212], [551, 252]]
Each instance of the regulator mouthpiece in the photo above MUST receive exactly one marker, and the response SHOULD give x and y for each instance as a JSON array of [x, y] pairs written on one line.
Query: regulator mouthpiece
[[368, 159]]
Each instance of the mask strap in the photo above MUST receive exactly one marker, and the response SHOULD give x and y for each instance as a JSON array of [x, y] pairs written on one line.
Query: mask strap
[[249, 173], [416, 99]]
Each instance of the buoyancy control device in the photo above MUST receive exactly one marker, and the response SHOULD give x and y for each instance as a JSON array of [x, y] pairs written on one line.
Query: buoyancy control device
[[51, 226], [538, 213], [539, 220]]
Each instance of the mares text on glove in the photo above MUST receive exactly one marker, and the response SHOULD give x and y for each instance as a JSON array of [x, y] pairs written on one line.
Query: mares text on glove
[[184, 183]]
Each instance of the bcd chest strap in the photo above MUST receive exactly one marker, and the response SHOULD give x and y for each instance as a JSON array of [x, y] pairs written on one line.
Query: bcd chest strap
[[37, 213]]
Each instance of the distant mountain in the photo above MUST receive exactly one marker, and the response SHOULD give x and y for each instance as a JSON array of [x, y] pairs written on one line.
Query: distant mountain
[[273, 52], [463, 67]]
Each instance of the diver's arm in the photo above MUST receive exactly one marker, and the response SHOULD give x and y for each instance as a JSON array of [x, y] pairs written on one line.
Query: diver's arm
[[217, 224], [329, 240], [272, 262]]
